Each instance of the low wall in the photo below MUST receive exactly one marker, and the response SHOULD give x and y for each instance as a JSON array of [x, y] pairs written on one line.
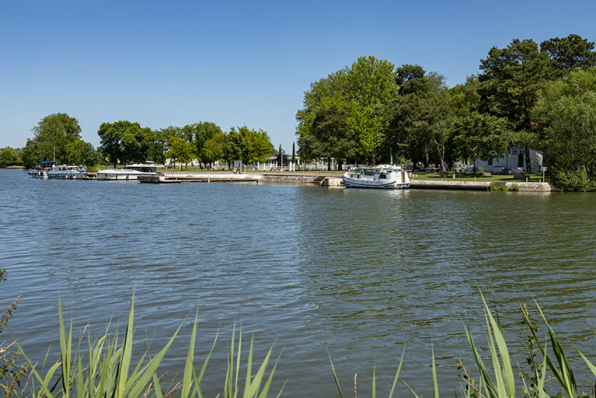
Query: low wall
[[541, 187]]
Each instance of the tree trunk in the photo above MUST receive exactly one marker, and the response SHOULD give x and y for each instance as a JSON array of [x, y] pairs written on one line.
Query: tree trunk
[[528, 161], [329, 164], [441, 160], [426, 157]]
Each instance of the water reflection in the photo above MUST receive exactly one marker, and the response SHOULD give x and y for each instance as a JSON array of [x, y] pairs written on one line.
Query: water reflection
[[363, 272]]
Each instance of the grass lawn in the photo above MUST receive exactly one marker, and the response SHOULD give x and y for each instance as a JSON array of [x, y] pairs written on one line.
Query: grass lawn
[[466, 177]]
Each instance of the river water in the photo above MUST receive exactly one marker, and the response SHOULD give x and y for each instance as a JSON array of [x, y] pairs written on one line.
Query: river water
[[357, 272]]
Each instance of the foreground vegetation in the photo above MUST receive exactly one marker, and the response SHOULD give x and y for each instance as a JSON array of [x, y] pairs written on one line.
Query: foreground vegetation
[[105, 367]]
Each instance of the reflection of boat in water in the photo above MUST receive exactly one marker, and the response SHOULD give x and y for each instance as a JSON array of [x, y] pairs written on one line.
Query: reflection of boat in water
[[41, 170], [382, 177], [130, 172], [64, 172]]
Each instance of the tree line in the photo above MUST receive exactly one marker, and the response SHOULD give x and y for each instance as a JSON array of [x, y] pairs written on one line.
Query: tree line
[[527, 95], [58, 136], [124, 142]]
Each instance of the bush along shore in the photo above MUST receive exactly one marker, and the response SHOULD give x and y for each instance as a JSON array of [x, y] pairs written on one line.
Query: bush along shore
[[106, 368]]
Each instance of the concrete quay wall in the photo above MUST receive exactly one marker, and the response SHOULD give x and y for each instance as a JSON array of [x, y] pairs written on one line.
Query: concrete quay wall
[[540, 187]]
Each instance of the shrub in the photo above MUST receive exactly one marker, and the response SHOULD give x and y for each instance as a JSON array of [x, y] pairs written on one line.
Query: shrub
[[10, 372], [573, 181]]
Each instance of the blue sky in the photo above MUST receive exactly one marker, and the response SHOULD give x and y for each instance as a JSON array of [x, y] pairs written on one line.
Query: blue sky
[[164, 63]]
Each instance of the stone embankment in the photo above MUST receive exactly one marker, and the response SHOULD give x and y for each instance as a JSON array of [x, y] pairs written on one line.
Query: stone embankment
[[482, 185], [335, 181]]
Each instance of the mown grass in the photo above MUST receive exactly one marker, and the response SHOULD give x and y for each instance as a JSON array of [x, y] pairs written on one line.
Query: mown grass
[[106, 367], [469, 177]]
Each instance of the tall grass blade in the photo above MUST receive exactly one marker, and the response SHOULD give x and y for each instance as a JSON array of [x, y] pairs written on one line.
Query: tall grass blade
[[435, 383], [65, 350], [341, 394], [157, 386], [135, 389], [374, 379], [490, 386], [126, 352], [187, 379], [507, 369], [238, 361], [270, 379], [564, 374], [411, 390], [206, 362], [253, 388], [397, 372]]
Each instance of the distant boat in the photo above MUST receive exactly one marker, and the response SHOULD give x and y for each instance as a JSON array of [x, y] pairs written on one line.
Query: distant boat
[[380, 177], [130, 172], [41, 170], [64, 172]]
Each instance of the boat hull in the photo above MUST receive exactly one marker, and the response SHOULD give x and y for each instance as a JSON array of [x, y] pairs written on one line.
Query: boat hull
[[66, 176], [115, 176], [355, 183]]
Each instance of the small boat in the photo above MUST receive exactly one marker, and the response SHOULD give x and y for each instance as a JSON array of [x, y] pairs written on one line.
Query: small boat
[[380, 177], [41, 170], [64, 172], [130, 172]]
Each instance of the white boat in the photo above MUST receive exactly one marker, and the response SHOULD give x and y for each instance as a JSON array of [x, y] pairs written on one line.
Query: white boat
[[381, 177], [130, 172], [41, 170], [64, 172]]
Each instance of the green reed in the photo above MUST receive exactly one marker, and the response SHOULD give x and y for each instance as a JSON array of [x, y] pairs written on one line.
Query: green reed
[[107, 368]]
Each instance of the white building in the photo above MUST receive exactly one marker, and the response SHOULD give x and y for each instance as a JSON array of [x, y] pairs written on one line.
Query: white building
[[513, 161]]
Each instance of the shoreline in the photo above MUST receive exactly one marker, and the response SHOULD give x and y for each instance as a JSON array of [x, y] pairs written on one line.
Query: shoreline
[[334, 180]]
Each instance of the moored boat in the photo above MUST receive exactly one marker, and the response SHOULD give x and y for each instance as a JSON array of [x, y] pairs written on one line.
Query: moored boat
[[64, 172], [380, 177], [130, 172], [41, 170]]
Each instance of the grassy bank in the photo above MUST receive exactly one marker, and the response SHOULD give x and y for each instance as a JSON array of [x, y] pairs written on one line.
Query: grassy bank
[[104, 367], [469, 177]]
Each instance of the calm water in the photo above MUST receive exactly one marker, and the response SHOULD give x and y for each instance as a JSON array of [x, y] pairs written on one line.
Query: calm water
[[360, 272]]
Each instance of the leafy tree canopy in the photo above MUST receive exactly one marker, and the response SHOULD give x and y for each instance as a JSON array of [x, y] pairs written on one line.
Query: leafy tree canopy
[[566, 114], [60, 134], [9, 157], [355, 94], [125, 141]]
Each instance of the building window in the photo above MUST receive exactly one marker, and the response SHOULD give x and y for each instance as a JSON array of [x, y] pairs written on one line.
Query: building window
[[490, 161]]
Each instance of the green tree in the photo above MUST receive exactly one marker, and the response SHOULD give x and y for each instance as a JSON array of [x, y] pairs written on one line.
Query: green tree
[[568, 53], [293, 153], [204, 131], [158, 146], [54, 137], [180, 150], [566, 114], [125, 141], [509, 83], [358, 94], [480, 136], [258, 142], [420, 116], [9, 157], [235, 147], [213, 149]]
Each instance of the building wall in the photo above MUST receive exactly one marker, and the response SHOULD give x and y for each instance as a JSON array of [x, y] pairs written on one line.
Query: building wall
[[514, 160]]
